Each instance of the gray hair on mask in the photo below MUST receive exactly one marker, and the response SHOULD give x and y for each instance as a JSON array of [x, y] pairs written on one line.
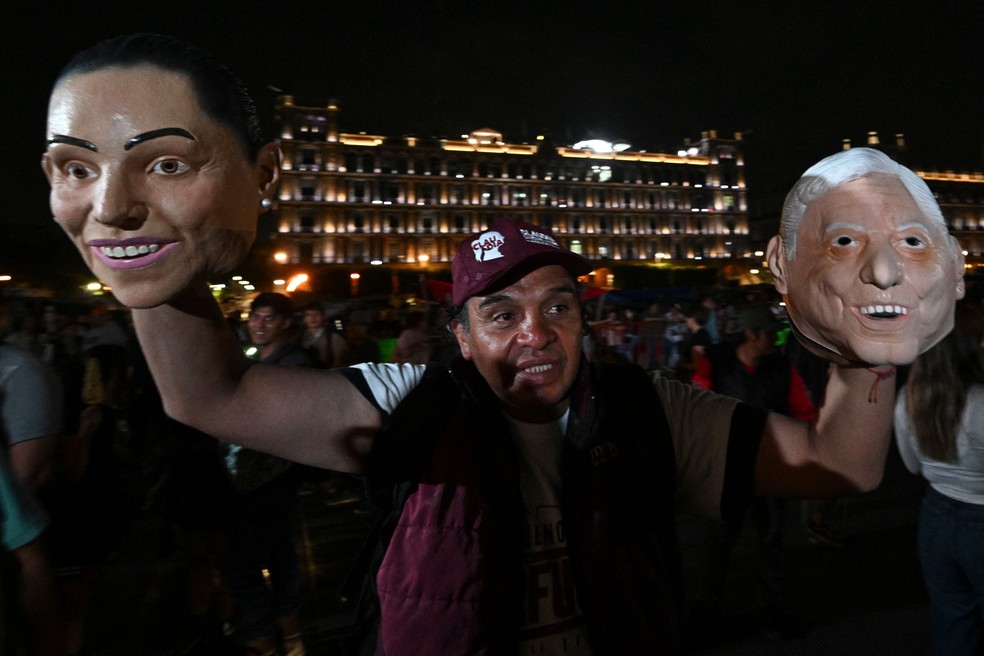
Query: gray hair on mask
[[836, 170]]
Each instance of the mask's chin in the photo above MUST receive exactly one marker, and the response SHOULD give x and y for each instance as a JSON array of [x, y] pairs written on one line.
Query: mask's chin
[[873, 353]]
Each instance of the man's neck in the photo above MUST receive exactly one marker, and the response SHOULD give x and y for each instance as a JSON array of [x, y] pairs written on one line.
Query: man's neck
[[271, 348]]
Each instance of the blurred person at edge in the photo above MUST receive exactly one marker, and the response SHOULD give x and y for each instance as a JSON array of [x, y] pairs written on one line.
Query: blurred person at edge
[[939, 428], [478, 469], [29, 621], [29, 433]]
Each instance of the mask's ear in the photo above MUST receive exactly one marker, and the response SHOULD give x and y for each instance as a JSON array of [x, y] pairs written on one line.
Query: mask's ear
[[267, 168], [960, 266], [776, 257], [46, 165]]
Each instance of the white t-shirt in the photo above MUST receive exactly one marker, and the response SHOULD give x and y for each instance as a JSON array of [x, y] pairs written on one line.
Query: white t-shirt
[[962, 480], [553, 622]]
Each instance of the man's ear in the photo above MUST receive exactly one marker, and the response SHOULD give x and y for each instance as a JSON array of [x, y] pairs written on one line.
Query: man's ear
[[267, 168], [462, 336], [775, 255]]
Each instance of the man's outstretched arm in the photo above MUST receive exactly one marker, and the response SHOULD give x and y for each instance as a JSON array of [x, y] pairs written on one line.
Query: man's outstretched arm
[[843, 451], [310, 416]]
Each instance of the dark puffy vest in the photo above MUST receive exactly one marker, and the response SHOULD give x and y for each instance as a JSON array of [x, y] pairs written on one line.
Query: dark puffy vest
[[442, 572]]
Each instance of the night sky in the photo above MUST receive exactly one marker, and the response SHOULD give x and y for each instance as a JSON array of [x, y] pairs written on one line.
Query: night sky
[[796, 77]]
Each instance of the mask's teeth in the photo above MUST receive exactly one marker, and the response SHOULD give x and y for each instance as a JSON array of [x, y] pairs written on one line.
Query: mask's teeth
[[129, 251]]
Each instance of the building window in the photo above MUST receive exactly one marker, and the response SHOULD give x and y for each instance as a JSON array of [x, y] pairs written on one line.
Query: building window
[[391, 193], [489, 195], [307, 188], [305, 251], [426, 194]]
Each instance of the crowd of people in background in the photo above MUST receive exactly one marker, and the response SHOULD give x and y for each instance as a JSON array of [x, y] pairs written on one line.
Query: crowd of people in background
[[116, 454]]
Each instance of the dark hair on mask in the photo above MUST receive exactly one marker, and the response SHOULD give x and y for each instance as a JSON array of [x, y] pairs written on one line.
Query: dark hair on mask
[[220, 94]]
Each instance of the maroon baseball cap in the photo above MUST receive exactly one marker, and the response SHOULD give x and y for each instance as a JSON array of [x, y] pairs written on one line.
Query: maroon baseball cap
[[485, 258]]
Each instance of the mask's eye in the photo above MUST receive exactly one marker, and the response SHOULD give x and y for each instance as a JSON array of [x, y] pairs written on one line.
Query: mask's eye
[[79, 171], [170, 167], [914, 242], [844, 241]]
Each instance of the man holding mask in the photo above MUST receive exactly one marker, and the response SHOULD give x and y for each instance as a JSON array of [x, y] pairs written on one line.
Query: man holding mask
[[529, 494]]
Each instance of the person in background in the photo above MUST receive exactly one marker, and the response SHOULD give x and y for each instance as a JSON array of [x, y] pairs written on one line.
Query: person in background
[[360, 345], [265, 510], [412, 346], [30, 429], [103, 329], [939, 429], [695, 342], [30, 409], [29, 621], [712, 326], [757, 373], [89, 501], [324, 343]]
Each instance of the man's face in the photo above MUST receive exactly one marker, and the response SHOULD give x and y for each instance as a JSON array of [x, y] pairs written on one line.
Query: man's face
[[525, 340], [154, 193], [266, 327], [873, 279], [313, 319]]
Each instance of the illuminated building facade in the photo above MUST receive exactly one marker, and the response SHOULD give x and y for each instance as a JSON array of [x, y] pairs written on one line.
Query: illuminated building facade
[[959, 194], [961, 197], [358, 199]]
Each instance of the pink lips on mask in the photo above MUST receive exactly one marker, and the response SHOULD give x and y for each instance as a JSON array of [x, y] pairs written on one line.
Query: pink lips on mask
[[135, 253]]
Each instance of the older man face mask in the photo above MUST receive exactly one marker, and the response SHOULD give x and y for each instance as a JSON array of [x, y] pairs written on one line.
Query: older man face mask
[[872, 278]]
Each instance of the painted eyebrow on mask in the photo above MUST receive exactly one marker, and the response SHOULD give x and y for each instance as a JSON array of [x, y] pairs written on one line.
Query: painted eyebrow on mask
[[156, 134], [72, 141]]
